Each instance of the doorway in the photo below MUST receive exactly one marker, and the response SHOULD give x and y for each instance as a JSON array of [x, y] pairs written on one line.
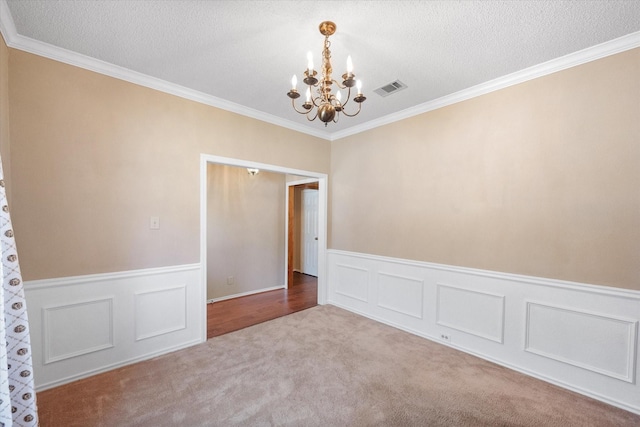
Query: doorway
[[309, 233], [321, 181], [302, 228]]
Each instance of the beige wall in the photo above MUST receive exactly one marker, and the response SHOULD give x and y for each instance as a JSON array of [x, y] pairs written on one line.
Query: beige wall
[[5, 153], [541, 179], [94, 157], [245, 230]]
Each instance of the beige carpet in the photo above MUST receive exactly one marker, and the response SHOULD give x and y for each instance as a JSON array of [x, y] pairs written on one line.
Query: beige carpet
[[320, 367]]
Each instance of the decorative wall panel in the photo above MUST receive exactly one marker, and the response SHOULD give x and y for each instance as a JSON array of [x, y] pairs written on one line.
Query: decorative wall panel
[[84, 325], [599, 343], [401, 294], [160, 311], [579, 336], [477, 313], [353, 282], [66, 337]]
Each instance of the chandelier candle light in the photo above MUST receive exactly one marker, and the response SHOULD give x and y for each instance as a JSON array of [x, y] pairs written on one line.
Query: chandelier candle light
[[328, 106]]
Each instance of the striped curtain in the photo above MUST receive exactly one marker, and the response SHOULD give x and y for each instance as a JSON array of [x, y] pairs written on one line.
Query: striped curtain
[[17, 395]]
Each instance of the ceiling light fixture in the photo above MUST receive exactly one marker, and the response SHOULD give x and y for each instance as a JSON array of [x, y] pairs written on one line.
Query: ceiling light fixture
[[253, 171], [328, 106]]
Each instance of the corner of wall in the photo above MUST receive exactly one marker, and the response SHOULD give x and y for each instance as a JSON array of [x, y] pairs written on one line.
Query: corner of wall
[[5, 151]]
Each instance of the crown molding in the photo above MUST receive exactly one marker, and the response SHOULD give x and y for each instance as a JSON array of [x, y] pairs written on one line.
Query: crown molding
[[7, 27], [27, 44], [16, 41], [589, 54]]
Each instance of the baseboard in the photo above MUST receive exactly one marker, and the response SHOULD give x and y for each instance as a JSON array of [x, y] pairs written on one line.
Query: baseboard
[[530, 373], [107, 368], [244, 294], [528, 324], [126, 317]]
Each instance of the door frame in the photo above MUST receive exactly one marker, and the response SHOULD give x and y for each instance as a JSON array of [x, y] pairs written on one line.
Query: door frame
[[322, 180], [288, 272], [308, 240]]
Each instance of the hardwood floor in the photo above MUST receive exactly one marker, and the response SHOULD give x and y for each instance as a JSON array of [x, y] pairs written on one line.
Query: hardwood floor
[[234, 314]]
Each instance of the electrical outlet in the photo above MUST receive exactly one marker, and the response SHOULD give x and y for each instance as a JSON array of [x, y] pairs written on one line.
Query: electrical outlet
[[154, 223], [230, 280], [445, 337]]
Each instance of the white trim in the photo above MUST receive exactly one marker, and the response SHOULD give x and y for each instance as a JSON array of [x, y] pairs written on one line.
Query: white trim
[[244, 294], [323, 211], [612, 47], [121, 346], [91, 372], [203, 243], [286, 236], [555, 283], [286, 224], [7, 26], [302, 181], [397, 310], [17, 41], [106, 277], [619, 384], [499, 339], [632, 326], [46, 50], [347, 294], [482, 355], [47, 339], [136, 296], [321, 178], [229, 161]]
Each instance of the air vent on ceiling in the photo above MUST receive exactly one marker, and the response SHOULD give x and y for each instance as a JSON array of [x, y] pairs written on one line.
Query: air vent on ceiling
[[390, 88]]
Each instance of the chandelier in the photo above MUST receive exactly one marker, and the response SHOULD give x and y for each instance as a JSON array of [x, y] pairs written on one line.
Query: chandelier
[[320, 101]]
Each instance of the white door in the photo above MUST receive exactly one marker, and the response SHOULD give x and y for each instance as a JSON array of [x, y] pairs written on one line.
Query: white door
[[309, 235]]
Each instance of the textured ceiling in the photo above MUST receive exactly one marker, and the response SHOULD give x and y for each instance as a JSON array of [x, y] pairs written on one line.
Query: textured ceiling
[[245, 52]]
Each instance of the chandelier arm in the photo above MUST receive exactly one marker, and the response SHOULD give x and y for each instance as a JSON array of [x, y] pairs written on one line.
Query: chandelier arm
[[341, 86], [346, 101], [354, 114], [293, 104], [317, 101], [314, 116]]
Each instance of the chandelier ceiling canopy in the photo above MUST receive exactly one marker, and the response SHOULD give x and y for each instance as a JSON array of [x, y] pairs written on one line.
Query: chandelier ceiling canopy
[[320, 101]]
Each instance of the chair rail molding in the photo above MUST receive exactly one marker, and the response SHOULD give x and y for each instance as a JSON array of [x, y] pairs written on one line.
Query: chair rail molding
[[578, 336], [84, 325]]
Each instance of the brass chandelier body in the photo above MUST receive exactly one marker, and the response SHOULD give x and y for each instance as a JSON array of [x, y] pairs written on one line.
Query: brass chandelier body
[[320, 101]]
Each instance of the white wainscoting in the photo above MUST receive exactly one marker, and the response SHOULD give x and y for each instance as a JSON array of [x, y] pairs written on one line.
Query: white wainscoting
[[476, 313], [609, 349], [160, 311], [578, 336], [84, 325], [63, 338], [353, 282]]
